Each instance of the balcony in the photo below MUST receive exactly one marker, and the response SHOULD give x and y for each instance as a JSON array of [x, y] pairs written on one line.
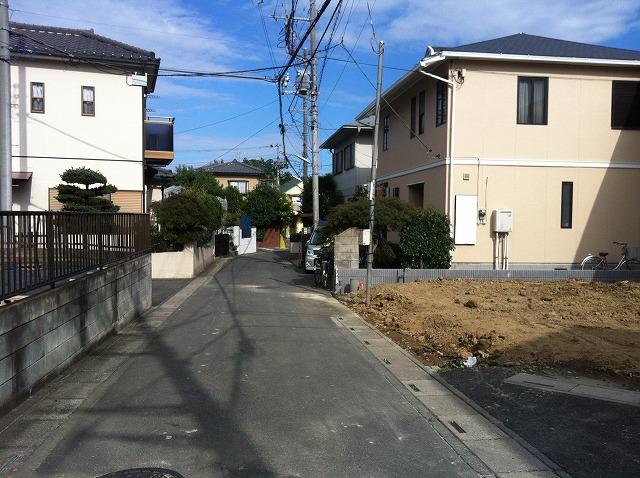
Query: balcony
[[158, 140]]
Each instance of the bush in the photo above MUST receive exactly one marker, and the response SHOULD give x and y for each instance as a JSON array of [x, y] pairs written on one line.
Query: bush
[[189, 216], [268, 207], [426, 241], [328, 195], [235, 203]]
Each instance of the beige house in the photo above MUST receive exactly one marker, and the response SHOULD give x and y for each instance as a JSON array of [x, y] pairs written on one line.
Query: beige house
[[244, 177], [548, 130], [351, 149]]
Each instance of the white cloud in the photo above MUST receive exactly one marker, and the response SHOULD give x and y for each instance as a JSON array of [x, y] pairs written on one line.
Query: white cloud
[[180, 35], [167, 88], [450, 23]]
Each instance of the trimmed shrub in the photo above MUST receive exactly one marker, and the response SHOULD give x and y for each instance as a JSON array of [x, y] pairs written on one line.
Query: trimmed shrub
[[268, 207], [87, 199], [189, 216], [425, 242]]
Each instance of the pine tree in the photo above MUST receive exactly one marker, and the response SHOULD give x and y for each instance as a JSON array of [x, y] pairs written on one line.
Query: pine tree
[[89, 199]]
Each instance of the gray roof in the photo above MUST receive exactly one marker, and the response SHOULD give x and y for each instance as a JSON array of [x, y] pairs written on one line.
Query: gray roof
[[346, 131], [40, 40], [533, 45], [234, 167]]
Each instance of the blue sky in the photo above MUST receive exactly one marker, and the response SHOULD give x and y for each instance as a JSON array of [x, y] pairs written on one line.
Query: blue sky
[[224, 35]]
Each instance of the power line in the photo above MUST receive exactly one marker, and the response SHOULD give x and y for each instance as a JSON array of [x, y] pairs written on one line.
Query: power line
[[246, 139], [226, 119]]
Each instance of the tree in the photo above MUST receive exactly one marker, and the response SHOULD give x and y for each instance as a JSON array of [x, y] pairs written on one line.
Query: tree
[[188, 216], [328, 195], [286, 176], [359, 193], [391, 214], [188, 177], [268, 207], [426, 241], [89, 199], [235, 204], [273, 169]]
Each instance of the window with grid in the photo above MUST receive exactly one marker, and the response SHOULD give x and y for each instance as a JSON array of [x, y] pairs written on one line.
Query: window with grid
[[385, 133], [421, 107], [532, 100], [412, 130], [88, 101], [37, 97], [396, 192], [441, 103]]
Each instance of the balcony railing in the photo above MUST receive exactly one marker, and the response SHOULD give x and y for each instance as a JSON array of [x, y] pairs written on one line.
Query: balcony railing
[[158, 140], [39, 248]]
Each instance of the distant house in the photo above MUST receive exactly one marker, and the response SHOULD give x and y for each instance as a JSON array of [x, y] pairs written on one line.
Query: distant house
[[545, 128], [244, 177], [293, 190], [351, 149], [79, 99]]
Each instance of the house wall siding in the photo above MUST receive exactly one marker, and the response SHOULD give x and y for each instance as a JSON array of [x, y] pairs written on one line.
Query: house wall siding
[[49, 143]]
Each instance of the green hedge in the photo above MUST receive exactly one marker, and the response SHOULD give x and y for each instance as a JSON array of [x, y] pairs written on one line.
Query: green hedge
[[426, 242]]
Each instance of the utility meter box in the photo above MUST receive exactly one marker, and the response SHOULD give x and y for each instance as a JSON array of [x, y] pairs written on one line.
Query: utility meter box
[[502, 220], [365, 237]]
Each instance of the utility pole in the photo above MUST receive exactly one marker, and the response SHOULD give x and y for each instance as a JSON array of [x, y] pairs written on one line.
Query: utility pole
[[374, 166], [314, 114], [305, 125], [6, 199]]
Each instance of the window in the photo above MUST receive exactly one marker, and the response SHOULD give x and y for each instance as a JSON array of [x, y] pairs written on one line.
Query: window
[[241, 186], [396, 192], [566, 208], [348, 158], [88, 101], [412, 131], [385, 134], [532, 100], [421, 108], [441, 103], [37, 97], [625, 105], [338, 161]]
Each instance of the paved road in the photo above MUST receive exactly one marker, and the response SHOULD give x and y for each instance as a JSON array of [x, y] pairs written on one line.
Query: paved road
[[251, 378]]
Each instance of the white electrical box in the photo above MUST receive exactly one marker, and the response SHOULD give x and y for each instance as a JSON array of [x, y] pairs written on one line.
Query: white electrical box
[[365, 237], [502, 220]]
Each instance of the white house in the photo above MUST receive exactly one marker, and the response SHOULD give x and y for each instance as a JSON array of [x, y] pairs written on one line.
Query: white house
[[352, 150], [79, 99]]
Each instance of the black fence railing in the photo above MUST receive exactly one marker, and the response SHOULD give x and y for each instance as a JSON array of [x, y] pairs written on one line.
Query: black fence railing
[[40, 248]]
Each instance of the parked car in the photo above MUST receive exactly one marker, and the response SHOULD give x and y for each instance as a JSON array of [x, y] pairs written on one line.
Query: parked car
[[311, 252]]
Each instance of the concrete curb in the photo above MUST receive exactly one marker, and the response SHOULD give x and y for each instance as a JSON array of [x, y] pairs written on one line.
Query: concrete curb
[[432, 372]]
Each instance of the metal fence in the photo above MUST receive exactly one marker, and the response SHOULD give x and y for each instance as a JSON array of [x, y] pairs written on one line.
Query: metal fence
[[399, 276], [40, 248]]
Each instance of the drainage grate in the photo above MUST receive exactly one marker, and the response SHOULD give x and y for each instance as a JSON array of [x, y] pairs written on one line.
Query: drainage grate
[[387, 361], [143, 473], [351, 328], [458, 428], [366, 342], [413, 387]]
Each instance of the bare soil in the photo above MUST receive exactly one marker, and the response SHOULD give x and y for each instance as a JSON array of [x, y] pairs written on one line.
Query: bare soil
[[570, 326]]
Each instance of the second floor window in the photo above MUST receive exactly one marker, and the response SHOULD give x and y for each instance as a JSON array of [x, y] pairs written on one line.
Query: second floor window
[[421, 108], [396, 192], [441, 103], [625, 105], [532, 100], [349, 160], [241, 186], [88, 101], [385, 133], [37, 97], [412, 133], [338, 161]]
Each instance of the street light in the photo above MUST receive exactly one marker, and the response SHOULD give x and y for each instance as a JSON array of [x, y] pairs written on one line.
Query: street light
[[302, 158]]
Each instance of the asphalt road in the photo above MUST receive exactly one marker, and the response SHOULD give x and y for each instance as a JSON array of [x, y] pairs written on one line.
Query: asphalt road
[[251, 378]]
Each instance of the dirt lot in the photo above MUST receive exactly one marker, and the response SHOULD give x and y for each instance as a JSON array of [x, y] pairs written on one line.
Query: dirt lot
[[588, 328]]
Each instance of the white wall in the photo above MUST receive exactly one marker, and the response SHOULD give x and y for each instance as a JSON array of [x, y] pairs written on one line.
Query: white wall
[[347, 180], [48, 143]]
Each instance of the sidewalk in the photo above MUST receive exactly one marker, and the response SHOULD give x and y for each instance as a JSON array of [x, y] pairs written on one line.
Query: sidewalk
[[250, 372]]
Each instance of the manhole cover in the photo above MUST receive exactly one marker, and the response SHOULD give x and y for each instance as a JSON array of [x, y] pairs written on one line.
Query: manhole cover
[[143, 473]]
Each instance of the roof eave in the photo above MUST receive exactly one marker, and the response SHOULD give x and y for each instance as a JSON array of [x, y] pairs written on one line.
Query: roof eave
[[539, 58], [339, 135]]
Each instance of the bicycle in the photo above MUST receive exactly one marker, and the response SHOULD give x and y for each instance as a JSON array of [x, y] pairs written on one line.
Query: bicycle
[[323, 268], [599, 262]]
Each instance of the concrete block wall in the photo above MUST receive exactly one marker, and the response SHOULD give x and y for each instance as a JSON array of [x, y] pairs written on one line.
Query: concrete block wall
[[346, 249], [43, 334]]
